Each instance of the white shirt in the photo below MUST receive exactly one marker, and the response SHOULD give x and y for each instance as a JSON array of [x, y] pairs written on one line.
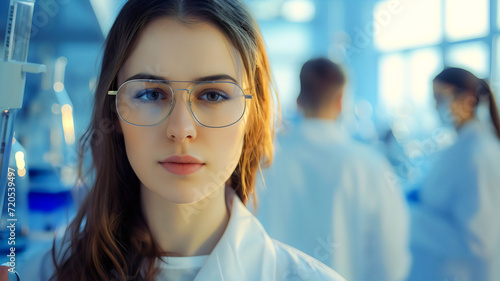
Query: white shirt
[[455, 228], [335, 199], [180, 268]]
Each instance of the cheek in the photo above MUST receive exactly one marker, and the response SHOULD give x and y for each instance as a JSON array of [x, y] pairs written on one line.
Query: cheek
[[462, 107], [136, 145], [227, 144]]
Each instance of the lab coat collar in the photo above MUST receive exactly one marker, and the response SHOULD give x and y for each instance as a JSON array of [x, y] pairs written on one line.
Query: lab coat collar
[[244, 252], [471, 127], [322, 131]]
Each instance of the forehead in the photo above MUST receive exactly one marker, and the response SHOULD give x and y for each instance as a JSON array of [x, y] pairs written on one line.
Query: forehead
[[443, 91], [440, 87], [176, 51]]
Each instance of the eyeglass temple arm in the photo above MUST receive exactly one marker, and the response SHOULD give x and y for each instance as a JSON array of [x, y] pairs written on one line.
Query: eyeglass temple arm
[[248, 96]]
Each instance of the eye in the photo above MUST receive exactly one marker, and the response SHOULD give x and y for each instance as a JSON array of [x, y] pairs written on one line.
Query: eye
[[150, 95], [213, 96]]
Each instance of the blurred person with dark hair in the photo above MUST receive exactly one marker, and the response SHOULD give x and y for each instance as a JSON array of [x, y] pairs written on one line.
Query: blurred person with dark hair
[[330, 196], [455, 230]]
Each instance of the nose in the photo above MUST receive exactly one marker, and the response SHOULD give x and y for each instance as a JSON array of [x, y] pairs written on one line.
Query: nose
[[180, 123]]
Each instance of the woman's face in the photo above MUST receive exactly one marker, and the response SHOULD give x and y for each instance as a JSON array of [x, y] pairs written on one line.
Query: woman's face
[[453, 108], [178, 52]]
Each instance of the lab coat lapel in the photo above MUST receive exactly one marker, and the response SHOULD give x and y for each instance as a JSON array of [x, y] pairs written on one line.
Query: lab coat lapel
[[244, 252]]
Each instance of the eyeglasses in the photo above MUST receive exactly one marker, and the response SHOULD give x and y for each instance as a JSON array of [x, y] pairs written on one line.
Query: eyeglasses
[[213, 104]]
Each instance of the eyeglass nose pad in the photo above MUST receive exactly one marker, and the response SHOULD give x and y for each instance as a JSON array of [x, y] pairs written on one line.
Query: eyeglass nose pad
[[181, 89], [173, 101]]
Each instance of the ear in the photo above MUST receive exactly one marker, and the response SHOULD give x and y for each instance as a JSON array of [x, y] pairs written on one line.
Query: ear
[[340, 100], [470, 101]]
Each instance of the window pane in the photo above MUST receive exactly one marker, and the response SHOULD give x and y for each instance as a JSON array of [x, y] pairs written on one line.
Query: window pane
[[471, 56], [495, 75], [424, 65], [498, 14], [392, 80], [287, 83], [466, 19], [407, 23]]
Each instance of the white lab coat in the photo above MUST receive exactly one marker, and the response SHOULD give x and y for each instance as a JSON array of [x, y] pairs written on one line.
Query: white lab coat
[[335, 199], [455, 233], [246, 253]]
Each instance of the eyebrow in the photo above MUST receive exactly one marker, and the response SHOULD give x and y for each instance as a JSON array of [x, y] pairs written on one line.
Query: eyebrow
[[200, 79]]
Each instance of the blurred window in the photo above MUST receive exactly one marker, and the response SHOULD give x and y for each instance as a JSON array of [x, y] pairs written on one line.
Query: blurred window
[[466, 19], [416, 39], [472, 56], [406, 24]]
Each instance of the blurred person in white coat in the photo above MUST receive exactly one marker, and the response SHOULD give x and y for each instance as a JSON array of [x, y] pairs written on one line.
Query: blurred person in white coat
[[330, 196], [455, 230]]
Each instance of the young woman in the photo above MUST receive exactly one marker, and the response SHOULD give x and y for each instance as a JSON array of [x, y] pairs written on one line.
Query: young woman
[[186, 88], [455, 227]]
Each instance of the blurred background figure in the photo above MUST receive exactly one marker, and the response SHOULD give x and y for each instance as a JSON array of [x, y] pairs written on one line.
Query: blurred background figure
[[455, 231], [331, 196]]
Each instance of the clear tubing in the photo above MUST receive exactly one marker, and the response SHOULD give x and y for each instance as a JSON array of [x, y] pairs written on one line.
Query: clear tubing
[[17, 38]]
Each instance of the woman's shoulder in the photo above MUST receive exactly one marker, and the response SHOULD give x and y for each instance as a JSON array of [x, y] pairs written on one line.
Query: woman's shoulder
[[275, 260], [293, 264]]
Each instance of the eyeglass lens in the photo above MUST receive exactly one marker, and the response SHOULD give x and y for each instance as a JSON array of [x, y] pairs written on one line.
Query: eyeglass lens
[[212, 104]]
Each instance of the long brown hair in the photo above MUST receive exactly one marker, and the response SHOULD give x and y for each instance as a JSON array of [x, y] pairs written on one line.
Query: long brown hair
[[465, 80], [109, 238]]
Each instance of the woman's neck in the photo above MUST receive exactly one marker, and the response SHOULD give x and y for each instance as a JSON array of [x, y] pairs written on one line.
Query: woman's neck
[[190, 229]]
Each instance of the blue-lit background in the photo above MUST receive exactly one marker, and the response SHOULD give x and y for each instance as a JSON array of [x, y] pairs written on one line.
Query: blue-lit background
[[390, 51]]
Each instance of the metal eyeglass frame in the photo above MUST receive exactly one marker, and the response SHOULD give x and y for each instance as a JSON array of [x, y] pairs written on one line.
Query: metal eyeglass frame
[[189, 91]]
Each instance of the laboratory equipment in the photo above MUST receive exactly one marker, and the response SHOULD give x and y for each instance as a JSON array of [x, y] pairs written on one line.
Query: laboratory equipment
[[13, 69]]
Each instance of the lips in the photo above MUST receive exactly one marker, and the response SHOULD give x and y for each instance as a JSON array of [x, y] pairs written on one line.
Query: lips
[[186, 159], [182, 165]]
